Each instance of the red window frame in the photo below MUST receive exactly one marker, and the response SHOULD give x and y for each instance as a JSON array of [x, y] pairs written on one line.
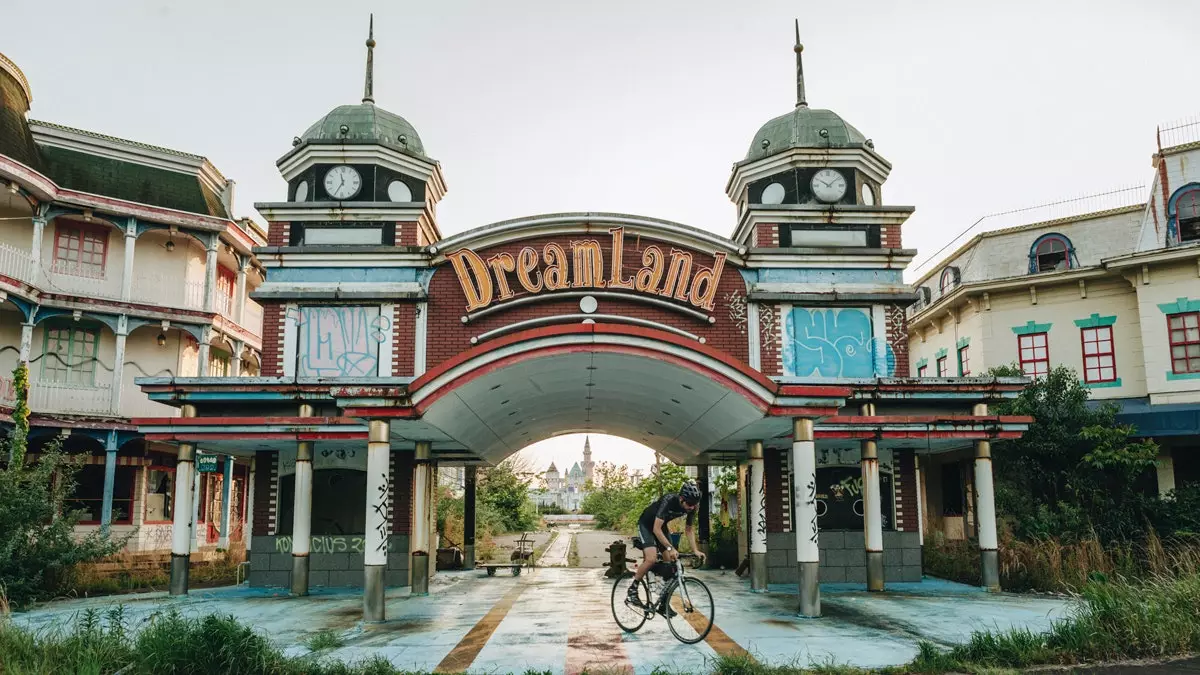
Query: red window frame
[[1033, 362], [964, 362], [1099, 354], [226, 281], [1183, 334], [923, 371], [83, 240], [942, 367]]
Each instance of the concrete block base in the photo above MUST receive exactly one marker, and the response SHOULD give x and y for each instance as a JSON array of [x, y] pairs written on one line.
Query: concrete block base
[[300, 575], [874, 570], [420, 573], [180, 566], [469, 556], [990, 562], [810, 590], [374, 607], [758, 572]]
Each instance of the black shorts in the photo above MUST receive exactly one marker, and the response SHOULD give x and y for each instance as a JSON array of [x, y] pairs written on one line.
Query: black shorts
[[646, 532]]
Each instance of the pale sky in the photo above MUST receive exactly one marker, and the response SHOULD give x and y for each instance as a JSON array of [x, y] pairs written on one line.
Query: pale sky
[[635, 107]]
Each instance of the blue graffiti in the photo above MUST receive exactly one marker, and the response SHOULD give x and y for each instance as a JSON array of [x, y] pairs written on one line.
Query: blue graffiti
[[832, 343], [340, 341]]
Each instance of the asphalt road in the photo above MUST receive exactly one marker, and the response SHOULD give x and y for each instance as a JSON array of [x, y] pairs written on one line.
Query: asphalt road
[[591, 545]]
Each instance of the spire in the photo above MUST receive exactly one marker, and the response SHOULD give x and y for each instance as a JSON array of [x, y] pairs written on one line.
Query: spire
[[801, 102], [587, 446], [369, 87]]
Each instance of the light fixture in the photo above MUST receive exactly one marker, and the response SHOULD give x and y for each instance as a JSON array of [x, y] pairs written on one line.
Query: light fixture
[[170, 245], [162, 340]]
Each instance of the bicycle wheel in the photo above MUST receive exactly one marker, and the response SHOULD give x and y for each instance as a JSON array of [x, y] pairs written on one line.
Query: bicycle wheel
[[629, 618], [692, 611]]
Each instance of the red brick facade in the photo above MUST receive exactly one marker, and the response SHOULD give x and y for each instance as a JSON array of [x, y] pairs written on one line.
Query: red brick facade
[[770, 327], [889, 236], [266, 474], [447, 335], [272, 338], [779, 491], [278, 234], [402, 474], [766, 235], [406, 234], [404, 339], [905, 483], [896, 326]]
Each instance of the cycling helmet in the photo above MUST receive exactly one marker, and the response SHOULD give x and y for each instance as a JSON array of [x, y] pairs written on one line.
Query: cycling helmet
[[690, 493]]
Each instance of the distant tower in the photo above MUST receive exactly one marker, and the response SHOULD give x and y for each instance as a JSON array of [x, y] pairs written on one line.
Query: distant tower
[[588, 464], [552, 483]]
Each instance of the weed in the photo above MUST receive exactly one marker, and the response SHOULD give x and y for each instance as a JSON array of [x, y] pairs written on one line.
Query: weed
[[326, 639]]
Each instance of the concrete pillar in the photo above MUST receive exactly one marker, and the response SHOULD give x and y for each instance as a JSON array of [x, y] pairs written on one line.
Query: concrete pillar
[[118, 373], [202, 351], [1165, 467], [181, 532], [419, 567], [249, 529], [743, 474], [872, 515], [35, 252], [127, 273], [757, 534], [239, 293], [804, 467], [704, 516], [210, 274], [985, 510], [26, 342], [469, 516], [302, 512], [375, 549], [226, 502], [110, 478]]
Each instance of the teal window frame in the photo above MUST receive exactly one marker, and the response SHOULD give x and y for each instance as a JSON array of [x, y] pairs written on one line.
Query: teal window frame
[[72, 364]]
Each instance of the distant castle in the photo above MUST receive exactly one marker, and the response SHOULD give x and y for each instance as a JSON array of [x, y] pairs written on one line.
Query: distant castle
[[566, 491]]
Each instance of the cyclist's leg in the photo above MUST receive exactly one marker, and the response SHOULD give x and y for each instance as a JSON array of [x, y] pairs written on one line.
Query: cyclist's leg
[[649, 557]]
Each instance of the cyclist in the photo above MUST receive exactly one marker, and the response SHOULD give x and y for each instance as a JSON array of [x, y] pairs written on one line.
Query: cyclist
[[652, 530]]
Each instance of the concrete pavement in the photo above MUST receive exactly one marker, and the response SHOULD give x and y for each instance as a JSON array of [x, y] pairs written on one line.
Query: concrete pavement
[[559, 620]]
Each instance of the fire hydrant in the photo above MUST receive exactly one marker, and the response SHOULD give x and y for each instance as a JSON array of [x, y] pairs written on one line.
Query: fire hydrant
[[616, 560]]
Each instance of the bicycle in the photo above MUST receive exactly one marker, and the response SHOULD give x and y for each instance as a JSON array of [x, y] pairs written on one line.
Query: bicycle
[[686, 613]]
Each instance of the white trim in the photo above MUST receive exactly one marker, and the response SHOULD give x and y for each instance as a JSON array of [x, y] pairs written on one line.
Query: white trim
[[357, 260], [754, 358], [585, 318], [401, 287], [387, 346], [864, 159], [870, 258], [429, 171], [291, 337], [823, 214], [879, 332], [300, 212], [420, 333]]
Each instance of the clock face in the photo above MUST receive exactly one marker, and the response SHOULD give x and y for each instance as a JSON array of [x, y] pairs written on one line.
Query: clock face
[[342, 182], [868, 195], [828, 185]]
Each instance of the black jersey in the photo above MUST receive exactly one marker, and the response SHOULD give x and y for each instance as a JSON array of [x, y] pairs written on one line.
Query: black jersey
[[668, 507]]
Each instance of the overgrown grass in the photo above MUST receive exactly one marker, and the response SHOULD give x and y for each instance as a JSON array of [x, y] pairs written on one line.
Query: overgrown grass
[[573, 552], [131, 572], [323, 640]]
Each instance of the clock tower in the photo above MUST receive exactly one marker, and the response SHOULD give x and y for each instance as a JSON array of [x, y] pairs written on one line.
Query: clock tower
[[358, 175]]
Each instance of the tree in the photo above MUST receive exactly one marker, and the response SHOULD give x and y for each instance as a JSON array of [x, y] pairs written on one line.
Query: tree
[[504, 489], [37, 538], [1075, 471]]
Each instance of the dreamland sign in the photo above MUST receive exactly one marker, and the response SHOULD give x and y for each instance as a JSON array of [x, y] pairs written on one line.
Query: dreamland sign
[[670, 275]]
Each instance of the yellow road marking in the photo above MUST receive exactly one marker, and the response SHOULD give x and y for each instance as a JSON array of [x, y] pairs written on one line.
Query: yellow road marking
[[463, 655], [718, 639]]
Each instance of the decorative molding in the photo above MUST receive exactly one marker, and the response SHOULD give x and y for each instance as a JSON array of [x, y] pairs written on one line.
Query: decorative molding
[[941, 353], [922, 363], [1172, 376], [1095, 321], [1101, 385], [1180, 305], [1031, 328], [963, 342]]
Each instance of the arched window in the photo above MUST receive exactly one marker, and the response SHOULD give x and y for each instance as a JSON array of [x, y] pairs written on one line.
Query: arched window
[[1187, 215], [1051, 252], [948, 280]]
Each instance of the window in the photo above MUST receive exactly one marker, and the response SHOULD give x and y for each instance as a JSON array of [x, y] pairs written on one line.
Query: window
[[220, 364], [226, 283], [69, 354], [1187, 213], [923, 371], [1099, 360], [941, 367], [88, 495], [949, 280], [964, 361], [160, 491], [80, 249], [819, 236], [1034, 353], [1184, 333], [953, 498], [1050, 252]]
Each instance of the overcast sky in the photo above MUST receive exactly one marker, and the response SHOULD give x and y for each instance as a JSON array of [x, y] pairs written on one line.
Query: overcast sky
[[635, 107]]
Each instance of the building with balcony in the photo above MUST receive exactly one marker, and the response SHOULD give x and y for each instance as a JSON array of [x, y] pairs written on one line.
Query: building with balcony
[[1107, 285], [119, 260]]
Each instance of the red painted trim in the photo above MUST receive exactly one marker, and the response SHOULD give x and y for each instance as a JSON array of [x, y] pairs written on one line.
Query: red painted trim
[[933, 419], [798, 411], [100, 231], [1112, 345], [234, 421], [901, 435], [266, 436], [384, 412], [814, 391]]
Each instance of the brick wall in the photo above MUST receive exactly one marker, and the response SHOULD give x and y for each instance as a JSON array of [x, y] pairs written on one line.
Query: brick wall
[[906, 490], [447, 335], [402, 501], [266, 471], [278, 234], [889, 236], [406, 234], [766, 235], [896, 327], [404, 333], [770, 336]]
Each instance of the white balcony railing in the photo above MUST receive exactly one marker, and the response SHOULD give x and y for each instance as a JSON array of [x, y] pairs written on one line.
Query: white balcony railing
[[252, 317], [16, 263], [223, 305], [168, 291], [84, 280], [134, 403], [46, 396]]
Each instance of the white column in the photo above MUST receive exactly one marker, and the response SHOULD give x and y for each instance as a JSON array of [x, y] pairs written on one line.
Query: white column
[[127, 274], [302, 512], [757, 532], [872, 515], [375, 548], [235, 364], [202, 353], [26, 342], [239, 292], [226, 502], [35, 252], [118, 373], [249, 527], [985, 511], [804, 463], [419, 566], [181, 532], [210, 274]]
